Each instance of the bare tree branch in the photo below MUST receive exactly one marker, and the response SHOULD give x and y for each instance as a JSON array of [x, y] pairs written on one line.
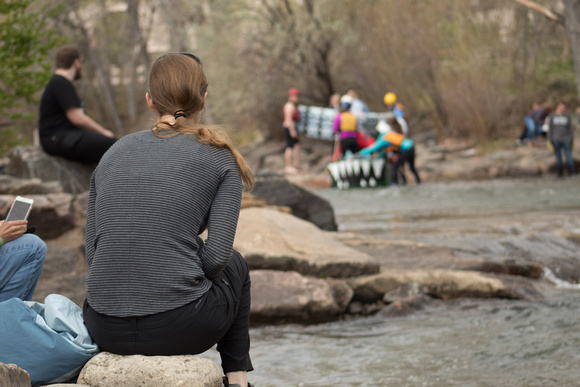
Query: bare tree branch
[[543, 10]]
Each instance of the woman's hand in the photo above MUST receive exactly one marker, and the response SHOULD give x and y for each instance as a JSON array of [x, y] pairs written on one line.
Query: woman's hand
[[12, 230]]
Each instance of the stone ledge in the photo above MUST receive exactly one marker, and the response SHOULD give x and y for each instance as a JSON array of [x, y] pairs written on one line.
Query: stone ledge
[[28, 162], [109, 370]]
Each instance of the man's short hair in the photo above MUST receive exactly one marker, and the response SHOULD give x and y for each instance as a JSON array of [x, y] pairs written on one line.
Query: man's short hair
[[66, 55]]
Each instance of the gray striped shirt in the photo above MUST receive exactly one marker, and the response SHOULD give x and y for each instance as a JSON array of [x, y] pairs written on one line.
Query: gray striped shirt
[[148, 199]]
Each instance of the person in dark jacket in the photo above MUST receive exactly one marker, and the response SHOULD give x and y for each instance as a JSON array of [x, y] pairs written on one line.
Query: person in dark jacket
[[561, 136]]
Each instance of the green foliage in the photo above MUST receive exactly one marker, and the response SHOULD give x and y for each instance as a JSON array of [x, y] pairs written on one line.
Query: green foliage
[[9, 137], [25, 41]]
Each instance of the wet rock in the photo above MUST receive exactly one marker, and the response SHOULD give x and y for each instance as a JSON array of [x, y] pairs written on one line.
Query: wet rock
[[528, 270], [269, 239], [280, 297], [51, 214], [341, 292], [356, 307], [109, 370], [360, 309], [32, 162], [278, 191], [406, 254], [445, 284], [405, 306], [13, 376], [406, 291]]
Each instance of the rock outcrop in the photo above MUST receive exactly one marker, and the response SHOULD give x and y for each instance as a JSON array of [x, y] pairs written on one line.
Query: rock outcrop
[[29, 162], [282, 297], [278, 191], [445, 284], [269, 239], [299, 272]]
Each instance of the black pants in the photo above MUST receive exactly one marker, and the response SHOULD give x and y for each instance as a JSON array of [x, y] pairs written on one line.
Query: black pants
[[221, 316], [85, 146], [348, 143], [290, 141], [409, 157]]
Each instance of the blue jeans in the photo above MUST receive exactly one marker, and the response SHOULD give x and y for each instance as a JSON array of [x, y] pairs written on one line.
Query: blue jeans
[[566, 146], [534, 129], [21, 262]]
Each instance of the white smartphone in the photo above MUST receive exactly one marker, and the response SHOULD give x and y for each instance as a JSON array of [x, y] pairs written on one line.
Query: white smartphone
[[20, 209]]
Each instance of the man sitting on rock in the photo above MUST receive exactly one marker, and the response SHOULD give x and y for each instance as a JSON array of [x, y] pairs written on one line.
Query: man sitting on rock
[[64, 128], [21, 259]]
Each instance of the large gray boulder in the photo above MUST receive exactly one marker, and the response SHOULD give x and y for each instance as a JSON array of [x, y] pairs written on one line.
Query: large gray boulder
[[278, 191], [282, 297], [109, 370], [28, 162], [270, 239], [13, 376]]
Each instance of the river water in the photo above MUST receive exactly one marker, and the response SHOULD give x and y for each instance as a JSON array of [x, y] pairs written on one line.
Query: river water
[[468, 342]]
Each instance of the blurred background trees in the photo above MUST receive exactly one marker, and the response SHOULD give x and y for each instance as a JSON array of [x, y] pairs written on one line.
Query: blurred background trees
[[464, 69], [25, 41]]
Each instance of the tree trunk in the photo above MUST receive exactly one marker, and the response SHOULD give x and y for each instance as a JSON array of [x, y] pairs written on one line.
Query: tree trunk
[[521, 55], [572, 25]]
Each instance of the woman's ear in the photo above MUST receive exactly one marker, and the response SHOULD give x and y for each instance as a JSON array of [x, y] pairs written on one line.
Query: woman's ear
[[203, 104], [150, 102]]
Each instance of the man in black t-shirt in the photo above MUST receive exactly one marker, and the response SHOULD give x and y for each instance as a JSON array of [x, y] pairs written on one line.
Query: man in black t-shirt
[[64, 128]]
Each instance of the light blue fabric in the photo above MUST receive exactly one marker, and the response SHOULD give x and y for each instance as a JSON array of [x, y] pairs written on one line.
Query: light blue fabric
[[49, 341], [399, 113]]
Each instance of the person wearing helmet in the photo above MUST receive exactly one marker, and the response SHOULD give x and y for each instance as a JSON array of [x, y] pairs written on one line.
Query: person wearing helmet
[[398, 110], [291, 116], [395, 142], [345, 124]]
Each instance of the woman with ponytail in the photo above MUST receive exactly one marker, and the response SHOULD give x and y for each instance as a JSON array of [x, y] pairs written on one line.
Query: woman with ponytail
[[154, 287]]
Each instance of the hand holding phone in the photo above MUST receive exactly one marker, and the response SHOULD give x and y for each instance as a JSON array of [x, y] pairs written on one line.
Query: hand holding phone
[[12, 230], [20, 209]]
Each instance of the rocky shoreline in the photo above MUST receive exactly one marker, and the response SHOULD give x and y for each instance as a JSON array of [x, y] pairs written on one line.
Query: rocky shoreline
[[288, 233], [302, 270]]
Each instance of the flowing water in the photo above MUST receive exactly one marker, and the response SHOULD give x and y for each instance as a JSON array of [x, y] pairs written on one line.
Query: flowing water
[[469, 342]]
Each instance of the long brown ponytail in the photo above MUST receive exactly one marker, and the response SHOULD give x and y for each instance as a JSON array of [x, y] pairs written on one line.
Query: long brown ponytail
[[177, 86]]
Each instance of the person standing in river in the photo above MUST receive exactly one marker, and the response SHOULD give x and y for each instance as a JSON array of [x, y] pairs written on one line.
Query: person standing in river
[[561, 136], [154, 287], [291, 116]]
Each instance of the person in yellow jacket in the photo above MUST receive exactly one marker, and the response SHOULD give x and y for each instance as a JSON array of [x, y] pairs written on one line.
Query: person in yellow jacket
[[346, 125], [395, 142]]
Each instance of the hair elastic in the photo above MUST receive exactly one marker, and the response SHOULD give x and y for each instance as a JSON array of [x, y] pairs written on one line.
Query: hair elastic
[[179, 113]]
